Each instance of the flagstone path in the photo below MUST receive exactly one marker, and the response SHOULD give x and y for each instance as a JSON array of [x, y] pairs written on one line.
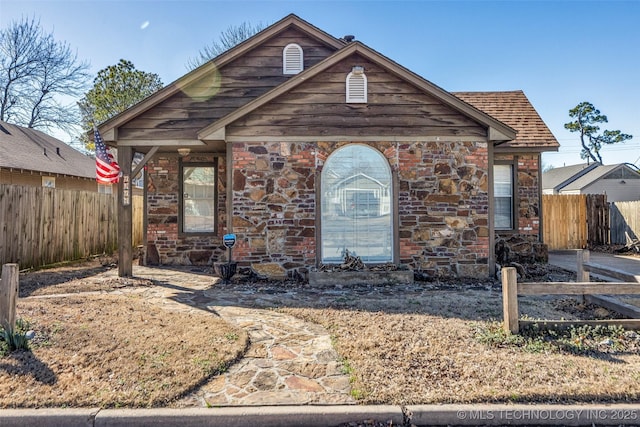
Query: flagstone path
[[289, 361]]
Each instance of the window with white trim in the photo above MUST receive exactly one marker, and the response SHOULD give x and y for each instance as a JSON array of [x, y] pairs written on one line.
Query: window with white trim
[[503, 197], [292, 59], [356, 204], [198, 197], [357, 86]]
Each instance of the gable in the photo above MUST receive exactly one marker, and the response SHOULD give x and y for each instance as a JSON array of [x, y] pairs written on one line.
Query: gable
[[317, 108], [243, 73], [494, 130]]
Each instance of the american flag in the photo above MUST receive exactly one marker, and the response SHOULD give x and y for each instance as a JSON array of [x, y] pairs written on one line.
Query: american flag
[[107, 170]]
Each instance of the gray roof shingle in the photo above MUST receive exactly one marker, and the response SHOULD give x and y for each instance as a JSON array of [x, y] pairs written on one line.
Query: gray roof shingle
[[30, 149]]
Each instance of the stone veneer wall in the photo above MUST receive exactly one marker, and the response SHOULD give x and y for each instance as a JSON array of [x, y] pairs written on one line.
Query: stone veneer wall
[[442, 203], [165, 244], [443, 207], [524, 245], [443, 227], [274, 207]]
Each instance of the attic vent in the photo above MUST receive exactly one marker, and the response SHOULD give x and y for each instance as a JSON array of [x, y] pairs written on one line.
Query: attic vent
[[357, 86], [292, 59]]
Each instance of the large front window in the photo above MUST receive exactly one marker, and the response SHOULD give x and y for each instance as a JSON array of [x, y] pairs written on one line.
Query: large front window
[[198, 197], [503, 196], [356, 206]]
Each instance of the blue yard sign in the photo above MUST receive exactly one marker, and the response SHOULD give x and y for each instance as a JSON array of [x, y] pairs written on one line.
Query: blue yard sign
[[229, 240]]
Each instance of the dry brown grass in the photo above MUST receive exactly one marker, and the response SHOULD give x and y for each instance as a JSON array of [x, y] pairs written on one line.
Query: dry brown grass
[[123, 351], [432, 355], [114, 351]]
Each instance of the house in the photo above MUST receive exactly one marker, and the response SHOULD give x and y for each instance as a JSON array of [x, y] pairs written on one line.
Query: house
[[305, 145], [33, 158], [620, 182]]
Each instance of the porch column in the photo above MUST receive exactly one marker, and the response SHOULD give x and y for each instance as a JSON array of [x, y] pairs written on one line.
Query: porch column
[[125, 213]]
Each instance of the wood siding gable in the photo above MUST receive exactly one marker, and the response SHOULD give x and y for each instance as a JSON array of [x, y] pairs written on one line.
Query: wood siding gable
[[393, 88], [221, 86], [317, 108], [222, 91]]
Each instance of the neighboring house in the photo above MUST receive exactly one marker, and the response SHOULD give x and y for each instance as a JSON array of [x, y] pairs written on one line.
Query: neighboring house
[[305, 145], [30, 157], [620, 182]]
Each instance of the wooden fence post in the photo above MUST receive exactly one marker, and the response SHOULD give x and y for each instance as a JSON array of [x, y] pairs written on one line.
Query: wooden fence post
[[8, 296], [510, 299], [583, 256]]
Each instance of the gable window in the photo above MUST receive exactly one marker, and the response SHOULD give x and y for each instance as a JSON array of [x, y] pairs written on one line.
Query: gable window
[[357, 86], [198, 197], [503, 197], [356, 206], [292, 59]]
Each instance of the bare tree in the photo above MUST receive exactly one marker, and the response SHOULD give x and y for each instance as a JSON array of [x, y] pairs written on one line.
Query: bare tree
[[36, 72], [233, 35]]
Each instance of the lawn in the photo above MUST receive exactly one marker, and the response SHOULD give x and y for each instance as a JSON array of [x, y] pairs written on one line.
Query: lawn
[[433, 343]]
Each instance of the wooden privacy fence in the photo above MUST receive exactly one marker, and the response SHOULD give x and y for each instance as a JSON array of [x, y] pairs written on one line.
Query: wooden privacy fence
[[624, 217], [511, 289], [40, 226], [575, 221]]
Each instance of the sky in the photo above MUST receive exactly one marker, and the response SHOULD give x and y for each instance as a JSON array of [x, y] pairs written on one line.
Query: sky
[[560, 53]]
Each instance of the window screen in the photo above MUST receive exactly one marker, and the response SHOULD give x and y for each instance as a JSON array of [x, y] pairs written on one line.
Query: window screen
[[503, 196], [198, 199], [356, 205]]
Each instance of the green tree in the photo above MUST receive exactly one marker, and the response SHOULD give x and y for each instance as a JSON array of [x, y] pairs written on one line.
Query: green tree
[[115, 89], [233, 35], [36, 74], [586, 119]]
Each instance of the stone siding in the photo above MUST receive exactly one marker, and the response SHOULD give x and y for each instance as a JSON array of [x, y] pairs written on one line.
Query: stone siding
[[443, 227], [274, 207], [165, 243], [523, 244], [442, 200]]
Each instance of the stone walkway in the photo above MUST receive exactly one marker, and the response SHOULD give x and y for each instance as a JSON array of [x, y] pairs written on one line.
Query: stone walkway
[[289, 361]]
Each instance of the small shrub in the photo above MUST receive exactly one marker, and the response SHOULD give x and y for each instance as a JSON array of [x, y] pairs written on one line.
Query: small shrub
[[16, 339]]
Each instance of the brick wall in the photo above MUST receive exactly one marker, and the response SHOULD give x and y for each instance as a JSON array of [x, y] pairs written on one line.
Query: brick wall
[[523, 244], [274, 207], [165, 243], [443, 207], [442, 203]]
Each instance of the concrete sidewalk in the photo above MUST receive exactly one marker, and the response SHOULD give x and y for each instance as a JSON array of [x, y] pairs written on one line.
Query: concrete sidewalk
[[568, 260], [327, 416]]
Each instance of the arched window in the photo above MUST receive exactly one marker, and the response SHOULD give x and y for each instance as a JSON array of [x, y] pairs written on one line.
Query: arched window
[[356, 205], [292, 59]]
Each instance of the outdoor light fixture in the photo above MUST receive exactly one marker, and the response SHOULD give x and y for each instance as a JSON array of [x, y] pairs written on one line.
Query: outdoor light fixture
[[357, 69], [184, 151]]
